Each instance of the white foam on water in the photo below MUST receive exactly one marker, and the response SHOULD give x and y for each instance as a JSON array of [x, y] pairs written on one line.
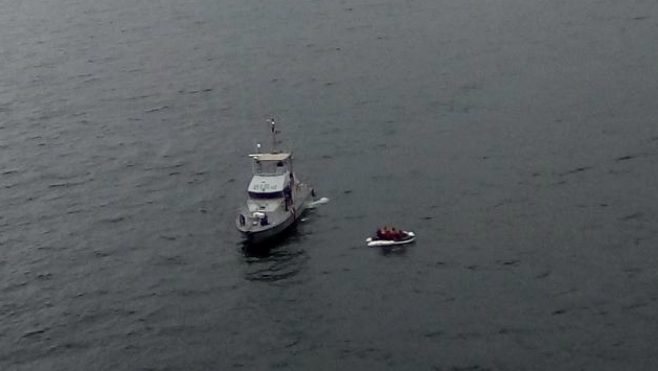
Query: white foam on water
[[319, 202]]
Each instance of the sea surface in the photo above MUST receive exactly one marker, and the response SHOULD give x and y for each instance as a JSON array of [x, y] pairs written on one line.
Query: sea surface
[[517, 138]]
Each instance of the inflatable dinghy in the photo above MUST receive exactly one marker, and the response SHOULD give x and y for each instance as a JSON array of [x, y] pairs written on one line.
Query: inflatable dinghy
[[409, 237]]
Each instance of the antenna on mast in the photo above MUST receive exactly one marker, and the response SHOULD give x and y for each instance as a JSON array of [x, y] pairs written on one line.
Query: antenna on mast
[[273, 129]]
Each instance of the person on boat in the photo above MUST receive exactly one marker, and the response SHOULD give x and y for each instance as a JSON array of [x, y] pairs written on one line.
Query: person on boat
[[383, 233], [388, 233], [287, 192], [395, 234]]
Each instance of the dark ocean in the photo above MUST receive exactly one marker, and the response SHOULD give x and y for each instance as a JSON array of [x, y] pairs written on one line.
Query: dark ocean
[[517, 138]]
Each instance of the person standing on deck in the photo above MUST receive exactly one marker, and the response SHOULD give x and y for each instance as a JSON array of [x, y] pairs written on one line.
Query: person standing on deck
[[287, 194]]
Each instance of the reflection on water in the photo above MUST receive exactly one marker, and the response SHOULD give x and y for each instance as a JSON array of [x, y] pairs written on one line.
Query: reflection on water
[[275, 260], [399, 250], [283, 264], [263, 249]]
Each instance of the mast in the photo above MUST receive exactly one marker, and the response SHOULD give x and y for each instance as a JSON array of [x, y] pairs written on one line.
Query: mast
[[273, 130]]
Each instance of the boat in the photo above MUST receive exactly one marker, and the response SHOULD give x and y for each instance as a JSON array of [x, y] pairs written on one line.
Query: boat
[[408, 237], [276, 197]]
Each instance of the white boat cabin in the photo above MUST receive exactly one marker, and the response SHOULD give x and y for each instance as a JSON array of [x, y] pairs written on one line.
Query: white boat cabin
[[272, 173]]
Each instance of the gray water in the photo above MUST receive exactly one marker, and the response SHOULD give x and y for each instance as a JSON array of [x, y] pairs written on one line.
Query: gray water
[[518, 139]]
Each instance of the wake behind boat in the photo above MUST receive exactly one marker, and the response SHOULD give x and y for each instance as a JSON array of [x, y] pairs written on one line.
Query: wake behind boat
[[276, 198]]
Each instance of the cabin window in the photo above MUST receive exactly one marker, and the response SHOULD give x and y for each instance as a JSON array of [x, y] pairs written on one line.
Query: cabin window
[[268, 195], [267, 167]]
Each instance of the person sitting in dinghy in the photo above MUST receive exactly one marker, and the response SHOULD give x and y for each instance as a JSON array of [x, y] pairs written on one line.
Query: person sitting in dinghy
[[383, 233], [390, 234], [396, 234]]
